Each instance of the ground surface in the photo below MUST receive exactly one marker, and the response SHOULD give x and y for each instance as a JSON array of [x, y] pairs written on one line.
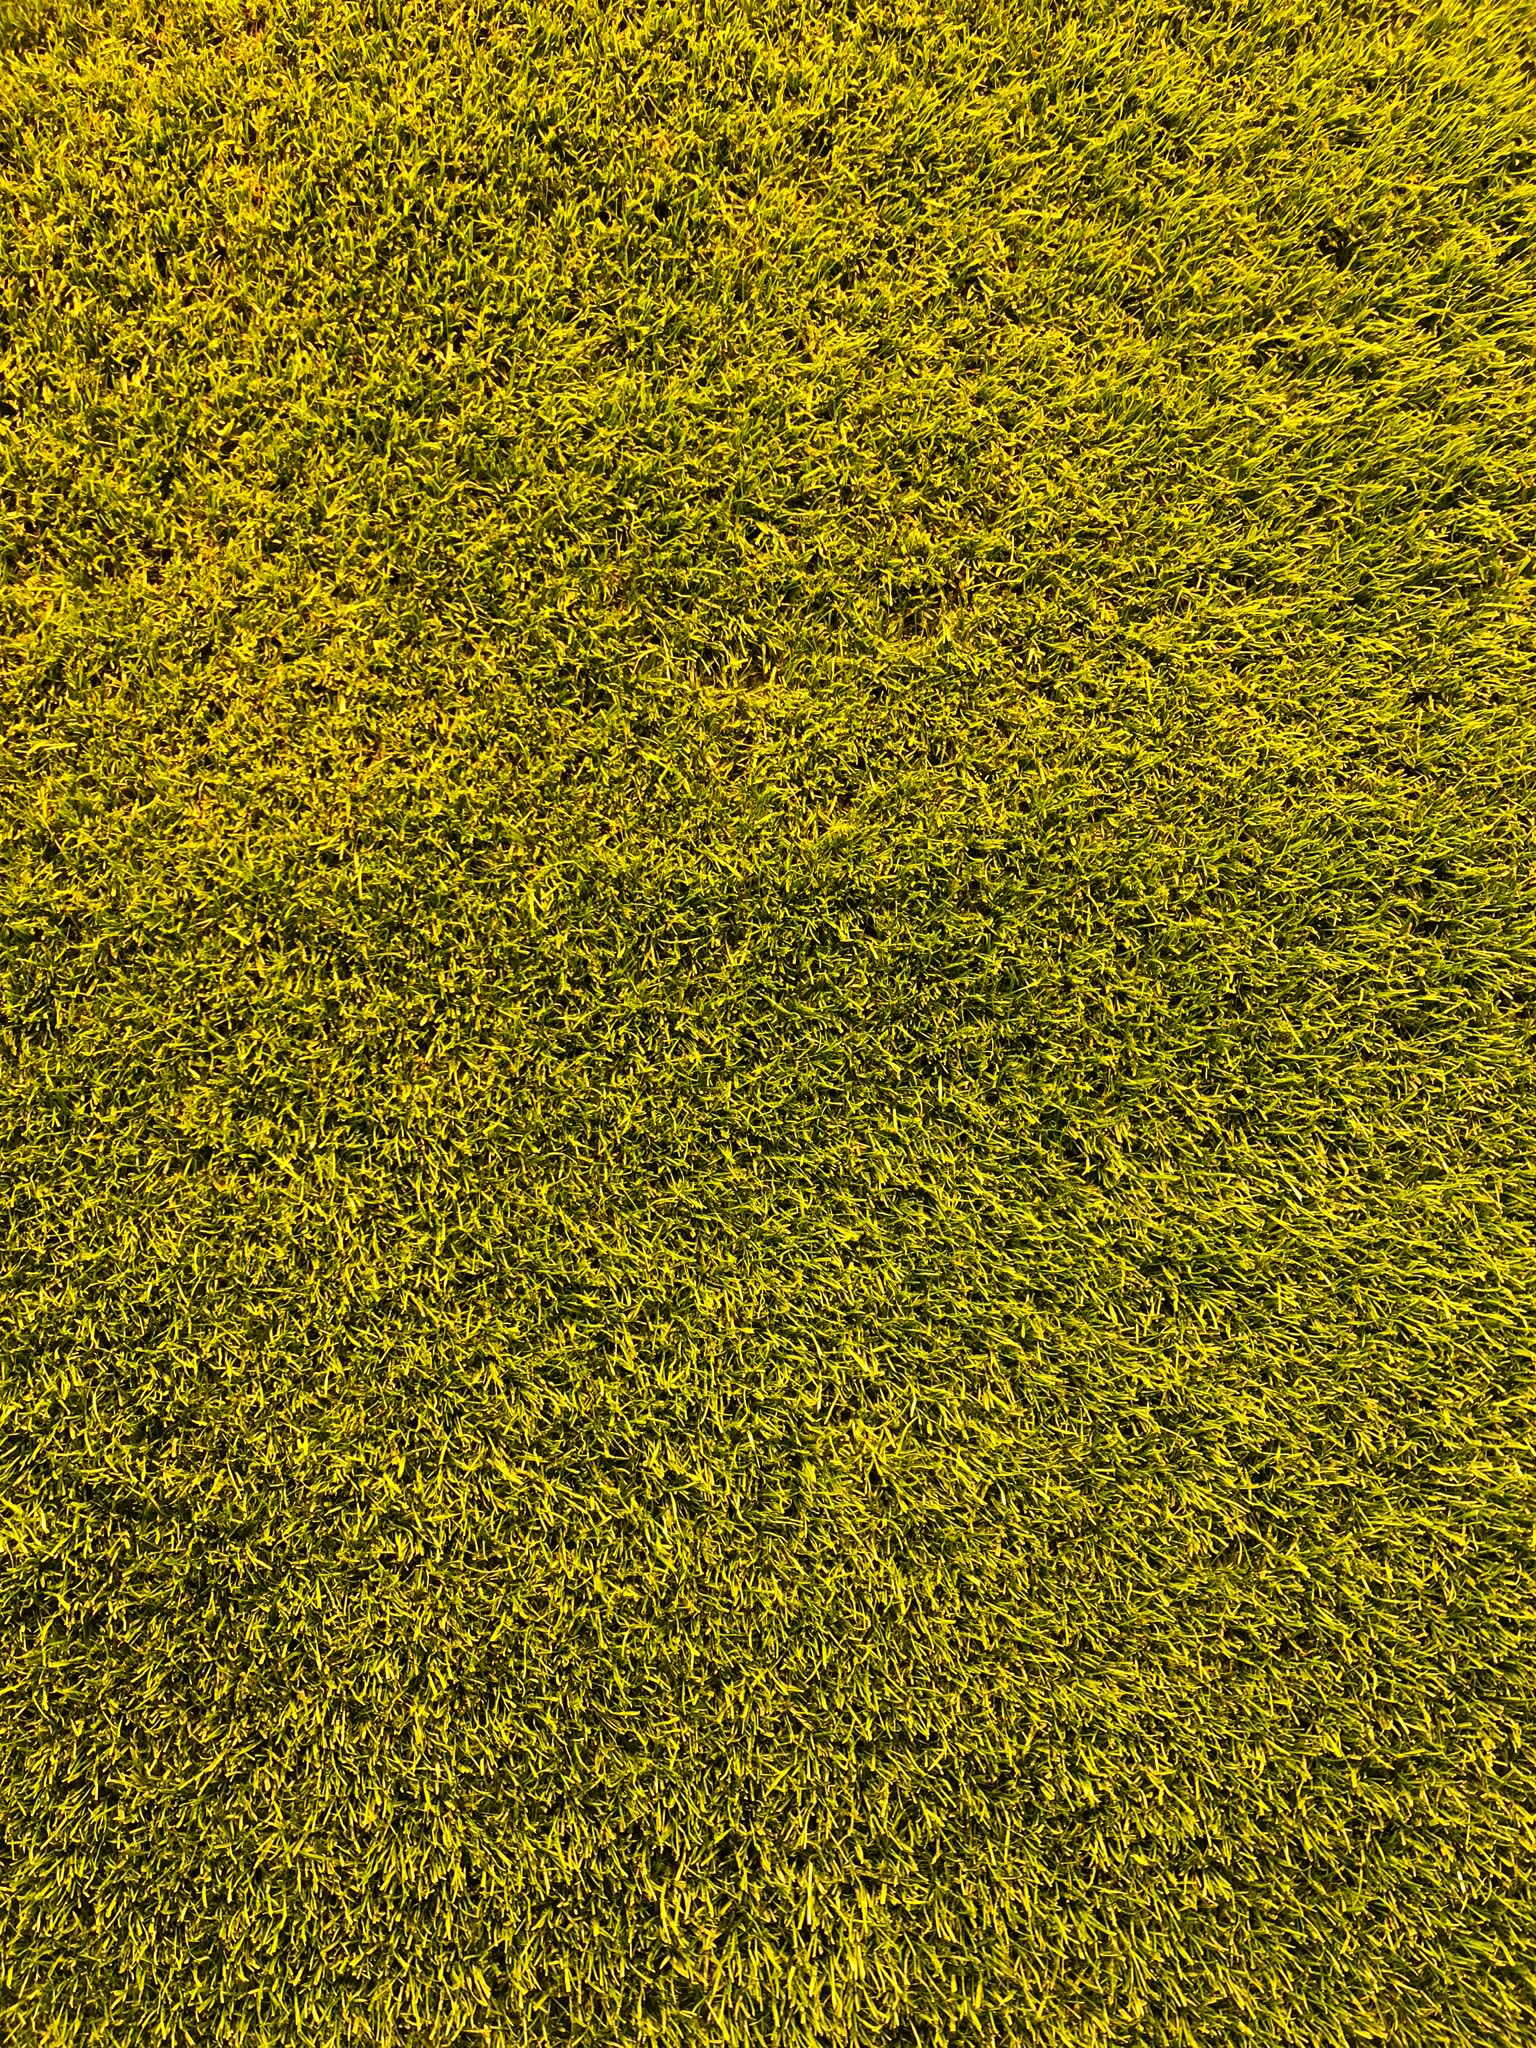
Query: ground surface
[[767, 1106]]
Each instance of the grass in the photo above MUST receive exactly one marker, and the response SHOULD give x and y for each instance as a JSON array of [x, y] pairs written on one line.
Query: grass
[[768, 1095]]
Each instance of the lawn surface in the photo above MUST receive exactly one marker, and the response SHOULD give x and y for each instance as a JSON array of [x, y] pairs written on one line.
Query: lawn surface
[[767, 1068]]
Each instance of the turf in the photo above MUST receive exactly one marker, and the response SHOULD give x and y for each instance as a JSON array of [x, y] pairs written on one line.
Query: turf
[[768, 1089]]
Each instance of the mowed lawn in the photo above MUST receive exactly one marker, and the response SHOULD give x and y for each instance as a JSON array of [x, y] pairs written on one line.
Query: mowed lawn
[[767, 1024]]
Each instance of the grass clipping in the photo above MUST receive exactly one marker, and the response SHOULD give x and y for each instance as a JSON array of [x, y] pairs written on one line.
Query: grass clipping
[[767, 1106]]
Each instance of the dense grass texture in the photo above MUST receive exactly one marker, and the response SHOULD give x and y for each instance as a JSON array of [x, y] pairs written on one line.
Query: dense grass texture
[[768, 1078]]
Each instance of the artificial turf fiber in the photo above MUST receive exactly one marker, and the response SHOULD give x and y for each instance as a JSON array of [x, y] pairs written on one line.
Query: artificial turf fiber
[[767, 1105]]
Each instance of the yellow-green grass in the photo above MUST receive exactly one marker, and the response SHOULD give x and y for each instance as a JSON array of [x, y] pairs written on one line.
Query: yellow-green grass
[[767, 1106]]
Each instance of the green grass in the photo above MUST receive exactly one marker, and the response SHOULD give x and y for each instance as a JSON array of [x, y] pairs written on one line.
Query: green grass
[[768, 1078]]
